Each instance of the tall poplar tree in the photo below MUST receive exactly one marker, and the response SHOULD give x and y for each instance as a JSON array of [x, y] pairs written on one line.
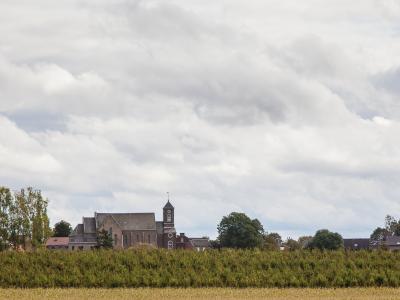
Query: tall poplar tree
[[6, 201], [21, 218], [39, 219]]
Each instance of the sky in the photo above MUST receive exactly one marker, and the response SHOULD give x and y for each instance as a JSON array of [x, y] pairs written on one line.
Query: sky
[[285, 110]]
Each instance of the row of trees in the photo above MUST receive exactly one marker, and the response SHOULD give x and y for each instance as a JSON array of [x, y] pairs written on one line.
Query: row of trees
[[237, 230], [23, 218]]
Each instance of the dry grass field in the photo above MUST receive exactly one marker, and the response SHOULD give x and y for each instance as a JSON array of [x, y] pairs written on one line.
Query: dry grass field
[[204, 293]]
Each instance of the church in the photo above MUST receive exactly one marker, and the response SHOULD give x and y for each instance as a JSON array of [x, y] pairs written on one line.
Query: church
[[129, 230]]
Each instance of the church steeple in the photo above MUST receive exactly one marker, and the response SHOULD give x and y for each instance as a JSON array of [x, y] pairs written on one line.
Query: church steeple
[[168, 213], [168, 205], [169, 232]]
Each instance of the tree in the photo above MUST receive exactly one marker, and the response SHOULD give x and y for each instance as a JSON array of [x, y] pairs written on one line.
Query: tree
[[324, 239], [292, 245], [215, 244], [239, 231], [22, 227], [29, 220], [379, 234], [62, 229], [392, 226], [39, 219], [104, 239], [272, 241], [6, 201], [304, 241]]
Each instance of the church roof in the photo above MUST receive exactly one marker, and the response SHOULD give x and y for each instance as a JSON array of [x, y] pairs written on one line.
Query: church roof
[[168, 205], [130, 221], [78, 230]]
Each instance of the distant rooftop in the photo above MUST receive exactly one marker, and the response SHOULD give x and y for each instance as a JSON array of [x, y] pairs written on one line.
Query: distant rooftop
[[57, 241], [130, 221]]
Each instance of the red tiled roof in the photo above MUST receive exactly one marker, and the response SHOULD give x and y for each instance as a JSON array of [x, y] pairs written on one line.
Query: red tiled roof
[[57, 241]]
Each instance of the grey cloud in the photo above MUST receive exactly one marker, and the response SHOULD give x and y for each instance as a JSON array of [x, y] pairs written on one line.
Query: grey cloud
[[285, 111], [388, 81]]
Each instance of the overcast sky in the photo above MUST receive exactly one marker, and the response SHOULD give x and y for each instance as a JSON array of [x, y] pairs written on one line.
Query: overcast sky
[[286, 110]]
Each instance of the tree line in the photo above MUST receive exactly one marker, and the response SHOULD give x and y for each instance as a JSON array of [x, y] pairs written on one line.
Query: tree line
[[24, 223], [23, 219], [239, 231]]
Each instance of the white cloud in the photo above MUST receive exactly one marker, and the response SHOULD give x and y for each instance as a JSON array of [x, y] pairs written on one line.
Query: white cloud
[[287, 111]]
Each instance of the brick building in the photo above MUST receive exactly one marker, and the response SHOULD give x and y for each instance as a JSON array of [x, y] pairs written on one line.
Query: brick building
[[132, 230]]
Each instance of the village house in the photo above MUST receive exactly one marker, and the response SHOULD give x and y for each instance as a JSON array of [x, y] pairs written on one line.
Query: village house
[[391, 243], [198, 244], [133, 230], [57, 243], [357, 244]]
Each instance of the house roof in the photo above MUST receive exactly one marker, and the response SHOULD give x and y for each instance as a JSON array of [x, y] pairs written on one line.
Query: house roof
[[363, 243], [57, 241], [392, 241], [129, 221], [200, 242]]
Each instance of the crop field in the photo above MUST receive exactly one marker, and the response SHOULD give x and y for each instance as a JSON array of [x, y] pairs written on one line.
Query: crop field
[[190, 269], [203, 293]]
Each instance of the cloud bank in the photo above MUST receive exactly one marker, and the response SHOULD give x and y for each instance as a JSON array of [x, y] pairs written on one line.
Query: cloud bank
[[285, 111]]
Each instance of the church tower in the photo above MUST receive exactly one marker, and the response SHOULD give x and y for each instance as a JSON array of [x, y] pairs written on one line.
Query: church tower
[[169, 235], [168, 218]]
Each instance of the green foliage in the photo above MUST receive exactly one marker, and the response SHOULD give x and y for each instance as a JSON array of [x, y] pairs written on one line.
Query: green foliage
[[23, 218], [292, 245], [239, 231], [62, 229], [183, 268], [272, 241], [5, 220], [392, 228], [379, 235], [104, 239], [215, 244], [392, 225], [304, 241], [324, 239]]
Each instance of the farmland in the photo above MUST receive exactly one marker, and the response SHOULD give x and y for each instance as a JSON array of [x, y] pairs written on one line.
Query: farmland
[[204, 293], [184, 269]]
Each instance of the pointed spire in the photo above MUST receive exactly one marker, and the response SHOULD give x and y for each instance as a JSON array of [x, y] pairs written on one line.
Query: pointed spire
[[168, 205]]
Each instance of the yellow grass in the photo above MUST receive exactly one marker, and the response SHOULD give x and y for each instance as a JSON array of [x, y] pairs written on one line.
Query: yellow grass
[[205, 293]]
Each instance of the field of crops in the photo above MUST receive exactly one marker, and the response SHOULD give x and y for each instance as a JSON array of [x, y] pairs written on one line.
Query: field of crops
[[204, 293], [228, 268]]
